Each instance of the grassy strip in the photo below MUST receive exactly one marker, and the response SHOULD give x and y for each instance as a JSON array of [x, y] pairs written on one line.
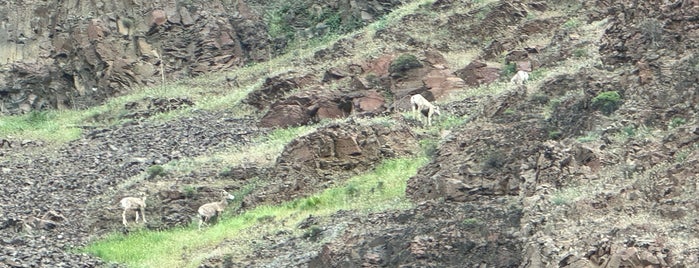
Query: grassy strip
[[381, 189]]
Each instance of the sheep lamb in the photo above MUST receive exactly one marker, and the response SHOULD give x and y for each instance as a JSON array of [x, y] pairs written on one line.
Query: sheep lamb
[[133, 204], [209, 210]]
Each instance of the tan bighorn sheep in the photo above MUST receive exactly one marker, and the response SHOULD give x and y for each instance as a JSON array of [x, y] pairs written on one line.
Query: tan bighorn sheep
[[135, 204], [520, 77], [419, 103], [209, 210]]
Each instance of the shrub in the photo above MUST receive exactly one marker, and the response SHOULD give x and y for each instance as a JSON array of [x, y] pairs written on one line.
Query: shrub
[[471, 222], [509, 70], [539, 98], [313, 233], [402, 64], [571, 24], [607, 102], [352, 190], [310, 203], [495, 160], [555, 134], [677, 121], [189, 191], [154, 171], [429, 146], [580, 53]]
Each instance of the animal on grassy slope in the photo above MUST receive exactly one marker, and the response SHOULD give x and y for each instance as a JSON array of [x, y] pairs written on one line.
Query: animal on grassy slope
[[134, 204], [520, 77], [419, 103], [209, 210]]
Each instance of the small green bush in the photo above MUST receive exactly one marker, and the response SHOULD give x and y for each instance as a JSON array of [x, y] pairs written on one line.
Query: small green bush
[[677, 121], [539, 98], [352, 190], [495, 160], [607, 102], [402, 64], [580, 53], [471, 222], [310, 203], [509, 70], [571, 24], [189, 191], [313, 233], [429, 146], [555, 134], [154, 171]]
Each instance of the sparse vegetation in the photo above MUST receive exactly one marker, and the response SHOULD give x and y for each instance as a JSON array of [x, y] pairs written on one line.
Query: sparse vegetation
[[567, 195], [572, 23], [590, 137], [539, 98], [495, 160], [652, 30], [555, 134], [509, 70], [154, 171], [156, 248], [676, 122], [189, 191], [580, 53], [402, 64], [607, 102]]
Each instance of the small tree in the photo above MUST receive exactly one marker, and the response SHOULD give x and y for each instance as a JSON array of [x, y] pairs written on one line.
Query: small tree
[[607, 102]]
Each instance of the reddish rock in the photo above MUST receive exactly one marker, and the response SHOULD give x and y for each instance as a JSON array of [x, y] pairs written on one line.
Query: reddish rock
[[371, 102], [477, 73]]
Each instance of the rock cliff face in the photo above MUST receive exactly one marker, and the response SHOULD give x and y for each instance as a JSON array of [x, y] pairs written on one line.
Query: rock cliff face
[[76, 54]]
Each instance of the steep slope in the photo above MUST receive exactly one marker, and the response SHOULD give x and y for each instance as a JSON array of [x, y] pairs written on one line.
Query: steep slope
[[592, 163]]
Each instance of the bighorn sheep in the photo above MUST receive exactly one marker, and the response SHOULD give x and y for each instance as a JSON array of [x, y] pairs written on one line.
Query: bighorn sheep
[[209, 210], [520, 77], [419, 103], [134, 204]]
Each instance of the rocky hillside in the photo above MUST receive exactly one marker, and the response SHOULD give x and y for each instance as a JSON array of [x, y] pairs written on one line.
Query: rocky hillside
[[592, 163]]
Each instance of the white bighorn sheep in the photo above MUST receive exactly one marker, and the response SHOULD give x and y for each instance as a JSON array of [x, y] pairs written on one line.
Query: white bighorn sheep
[[419, 103], [520, 77], [134, 204], [209, 210]]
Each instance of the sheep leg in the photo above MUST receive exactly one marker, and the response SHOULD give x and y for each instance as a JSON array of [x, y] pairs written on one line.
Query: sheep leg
[[429, 117], [143, 213], [414, 111], [136, 215], [203, 221], [123, 218]]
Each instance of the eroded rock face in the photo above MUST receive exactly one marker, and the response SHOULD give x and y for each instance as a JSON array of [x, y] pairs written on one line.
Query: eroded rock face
[[454, 235], [78, 54], [311, 163]]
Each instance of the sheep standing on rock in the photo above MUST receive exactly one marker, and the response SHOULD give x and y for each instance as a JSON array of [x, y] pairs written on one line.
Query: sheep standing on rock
[[520, 77], [134, 204], [419, 103], [209, 210]]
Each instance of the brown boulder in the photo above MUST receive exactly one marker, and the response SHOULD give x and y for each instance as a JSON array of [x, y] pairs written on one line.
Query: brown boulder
[[477, 73]]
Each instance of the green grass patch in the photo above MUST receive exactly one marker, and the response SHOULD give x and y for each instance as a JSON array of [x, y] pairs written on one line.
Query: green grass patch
[[50, 126], [381, 189]]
